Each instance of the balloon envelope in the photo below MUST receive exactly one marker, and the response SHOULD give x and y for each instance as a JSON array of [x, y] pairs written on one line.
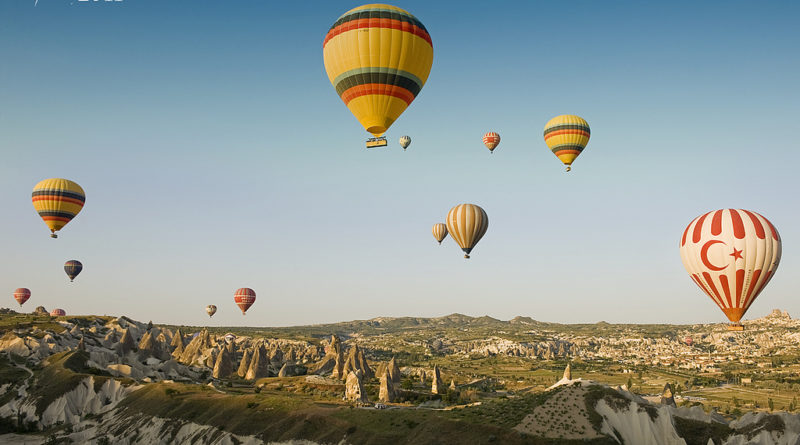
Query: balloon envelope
[[58, 313], [244, 298], [731, 254], [378, 58], [439, 232], [567, 136], [467, 223], [57, 201], [73, 268], [491, 140], [211, 310], [405, 141], [21, 295]]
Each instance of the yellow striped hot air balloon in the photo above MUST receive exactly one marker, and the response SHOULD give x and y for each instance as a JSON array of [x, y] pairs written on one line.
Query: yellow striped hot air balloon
[[467, 223], [439, 232], [57, 201], [567, 136], [377, 57]]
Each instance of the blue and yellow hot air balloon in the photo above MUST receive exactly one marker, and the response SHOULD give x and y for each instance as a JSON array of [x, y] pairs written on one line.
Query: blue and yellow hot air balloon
[[567, 136], [57, 201], [377, 57]]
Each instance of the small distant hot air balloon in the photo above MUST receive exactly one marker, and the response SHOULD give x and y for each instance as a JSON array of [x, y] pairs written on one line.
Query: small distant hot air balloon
[[73, 268], [440, 232], [567, 136], [731, 254], [58, 313], [377, 57], [467, 223], [57, 201], [21, 295], [211, 310], [229, 338], [244, 298], [491, 140], [405, 141]]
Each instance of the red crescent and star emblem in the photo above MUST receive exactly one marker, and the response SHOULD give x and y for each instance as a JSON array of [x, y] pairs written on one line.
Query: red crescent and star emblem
[[704, 255]]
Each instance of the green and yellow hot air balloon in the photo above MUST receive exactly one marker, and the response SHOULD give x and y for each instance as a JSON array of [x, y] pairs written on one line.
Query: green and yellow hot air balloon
[[567, 136], [57, 201], [377, 57]]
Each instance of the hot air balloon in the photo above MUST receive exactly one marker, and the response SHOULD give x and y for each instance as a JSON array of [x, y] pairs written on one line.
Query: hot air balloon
[[405, 141], [567, 136], [57, 201], [467, 223], [731, 254], [440, 232], [244, 298], [377, 57], [211, 310], [229, 338], [21, 295], [491, 140], [58, 313], [73, 268]]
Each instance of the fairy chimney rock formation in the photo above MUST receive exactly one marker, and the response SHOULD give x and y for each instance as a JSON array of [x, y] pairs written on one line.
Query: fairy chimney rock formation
[[437, 387], [452, 384], [567, 373], [667, 397], [244, 365], [394, 371], [224, 366], [81, 345], [258, 364], [386, 392], [126, 343], [354, 388], [177, 343]]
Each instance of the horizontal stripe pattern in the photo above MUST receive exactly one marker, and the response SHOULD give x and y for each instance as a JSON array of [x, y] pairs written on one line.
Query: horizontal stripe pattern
[[378, 18], [58, 194], [567, 129]]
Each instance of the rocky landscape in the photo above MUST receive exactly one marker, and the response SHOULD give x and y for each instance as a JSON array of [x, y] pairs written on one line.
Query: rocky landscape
[[115, 380]]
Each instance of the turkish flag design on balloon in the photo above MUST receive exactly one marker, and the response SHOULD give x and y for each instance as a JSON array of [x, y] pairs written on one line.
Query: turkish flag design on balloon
[[731, 254], [244, 298]]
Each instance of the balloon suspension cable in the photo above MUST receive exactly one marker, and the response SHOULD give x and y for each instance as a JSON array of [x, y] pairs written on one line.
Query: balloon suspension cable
[[440, 243]]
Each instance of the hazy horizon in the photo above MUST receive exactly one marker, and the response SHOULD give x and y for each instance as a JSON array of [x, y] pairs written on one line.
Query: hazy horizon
[[216, 155]]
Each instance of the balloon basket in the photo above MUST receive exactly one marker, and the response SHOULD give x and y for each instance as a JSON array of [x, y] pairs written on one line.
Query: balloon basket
[[53, 235], [376, 142], [569, 168], [735, 327]]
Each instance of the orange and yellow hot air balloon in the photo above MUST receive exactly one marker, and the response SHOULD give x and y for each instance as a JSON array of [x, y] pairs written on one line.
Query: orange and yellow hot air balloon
[[57, 201], [377, 57], [467, 223], [439, 232], [491, 140], [567, 136], [731, 254]]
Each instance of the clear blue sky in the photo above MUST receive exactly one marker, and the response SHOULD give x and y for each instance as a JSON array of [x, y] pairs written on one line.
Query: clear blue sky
[[215, 155]]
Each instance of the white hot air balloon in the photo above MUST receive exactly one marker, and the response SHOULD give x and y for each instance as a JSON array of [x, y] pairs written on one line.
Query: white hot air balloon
[[731, 254], [211, 310], [405, 141]]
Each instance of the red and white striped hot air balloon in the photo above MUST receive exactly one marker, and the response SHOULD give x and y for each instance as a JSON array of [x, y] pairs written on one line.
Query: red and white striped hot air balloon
[[58, 313], [21, 295], [244, 298], [491, 140], [731, 254]]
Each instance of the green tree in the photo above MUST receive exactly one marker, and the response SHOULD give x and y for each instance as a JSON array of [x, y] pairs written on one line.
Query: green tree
[[630, 384], [407, 384], [771, 404]]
